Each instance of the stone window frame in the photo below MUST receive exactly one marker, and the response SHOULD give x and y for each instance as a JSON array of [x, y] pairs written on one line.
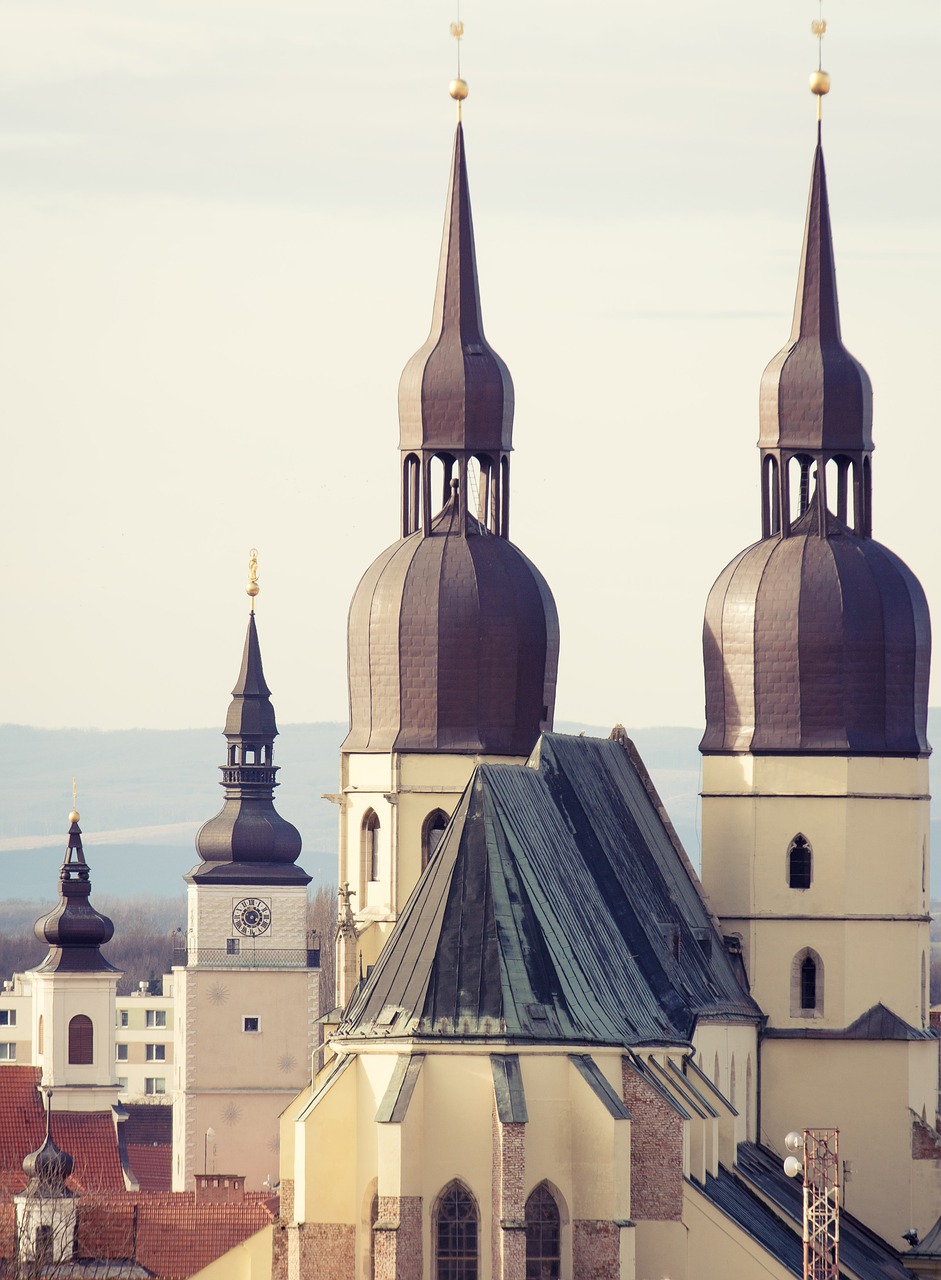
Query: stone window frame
[[435, 824], [564, 1270], [798, 1009], [466, 1264], [369, 830], [799, 871]]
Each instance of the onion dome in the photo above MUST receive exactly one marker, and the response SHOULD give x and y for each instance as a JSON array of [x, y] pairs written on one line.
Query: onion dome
[[817, 638], [248, 842], [817, 644], [74, 930], [453, 644], [48, 1168]]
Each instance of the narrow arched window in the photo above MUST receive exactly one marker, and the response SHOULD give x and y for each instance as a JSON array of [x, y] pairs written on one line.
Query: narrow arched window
[[799, 863], [455, 1235], [370, 842], [81, 1041], [543, 1236], [432, 830], [40, 1035], [732, 1081]]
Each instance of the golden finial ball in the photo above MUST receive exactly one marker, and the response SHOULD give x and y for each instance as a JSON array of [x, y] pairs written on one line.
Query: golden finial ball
[[252, 589], [74, 816], [458, 90], [819, 83]]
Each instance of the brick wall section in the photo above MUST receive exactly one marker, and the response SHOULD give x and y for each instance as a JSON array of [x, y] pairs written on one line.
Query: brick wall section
[[398, 1238], [286, 1205], [596, 1250], [926, 1142], [656, 1152], [279, 1252], [326, 1251], [508, 1205]]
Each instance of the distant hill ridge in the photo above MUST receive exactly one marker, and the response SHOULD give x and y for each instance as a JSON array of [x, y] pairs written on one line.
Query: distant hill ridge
[[146, 791]]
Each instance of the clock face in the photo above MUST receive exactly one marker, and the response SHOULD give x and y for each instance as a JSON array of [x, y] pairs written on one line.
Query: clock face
[[251, 917]]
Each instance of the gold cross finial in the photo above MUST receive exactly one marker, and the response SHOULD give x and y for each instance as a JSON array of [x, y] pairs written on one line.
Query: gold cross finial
[[458, 87], [74, 815], [819, 80], [253, 588]]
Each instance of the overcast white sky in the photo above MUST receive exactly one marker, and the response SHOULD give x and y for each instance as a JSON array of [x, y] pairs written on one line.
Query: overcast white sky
[[219, 227]]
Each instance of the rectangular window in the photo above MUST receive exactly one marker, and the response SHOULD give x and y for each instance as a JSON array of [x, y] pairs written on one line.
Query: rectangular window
[[120, 1053], [122, 1018], [251, 1024], [122, 1084], [231, 946], [156, 1053], [155, 1084], [7, 1017], [156, 1017], [7, 1053]]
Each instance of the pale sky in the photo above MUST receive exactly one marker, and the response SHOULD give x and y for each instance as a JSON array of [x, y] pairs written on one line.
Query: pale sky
[[219, 228]]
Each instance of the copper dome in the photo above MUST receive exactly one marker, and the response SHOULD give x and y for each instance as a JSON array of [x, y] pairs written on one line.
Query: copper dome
[[453, 645], [817, 644]]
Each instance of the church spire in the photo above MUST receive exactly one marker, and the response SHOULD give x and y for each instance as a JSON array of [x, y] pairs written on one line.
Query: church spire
[[74, 930], [816, 399], [456, 393], [248, 842]]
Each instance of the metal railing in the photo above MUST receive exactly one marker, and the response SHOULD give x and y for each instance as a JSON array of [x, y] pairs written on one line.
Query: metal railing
[[247, 958]]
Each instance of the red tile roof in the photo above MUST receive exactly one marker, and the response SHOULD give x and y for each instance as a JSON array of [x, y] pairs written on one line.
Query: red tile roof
[[152, 1165], [89, 1139]]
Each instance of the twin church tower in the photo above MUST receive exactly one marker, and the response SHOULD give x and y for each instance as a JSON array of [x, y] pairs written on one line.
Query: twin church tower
[[815, 792]]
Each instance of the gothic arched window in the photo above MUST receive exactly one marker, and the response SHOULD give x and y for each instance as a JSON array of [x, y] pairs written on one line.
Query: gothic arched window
[[370, 841], [800, 858], [81, 1041], [455, 1234], [543, 1236], [807, 985], [431, 833]]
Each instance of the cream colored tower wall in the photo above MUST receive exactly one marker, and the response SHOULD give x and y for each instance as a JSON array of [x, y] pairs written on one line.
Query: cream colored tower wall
[[865, 912], [402, 789], [57, 998], [872, 1091], [233, 1078]]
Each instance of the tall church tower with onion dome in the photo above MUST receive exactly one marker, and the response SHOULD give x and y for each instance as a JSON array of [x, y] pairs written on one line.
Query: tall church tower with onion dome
[[250, 981], [73, 992], [815, 816], [453, 633]]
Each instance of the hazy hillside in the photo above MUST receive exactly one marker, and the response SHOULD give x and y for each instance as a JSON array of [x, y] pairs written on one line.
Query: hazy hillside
[[143, 794]]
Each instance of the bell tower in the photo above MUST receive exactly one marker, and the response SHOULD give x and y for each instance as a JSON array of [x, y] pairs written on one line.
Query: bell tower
[[251, 979], [815, 815], [453, 633]]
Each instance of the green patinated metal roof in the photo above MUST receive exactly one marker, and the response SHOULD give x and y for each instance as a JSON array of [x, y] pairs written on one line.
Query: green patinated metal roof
[[558, 908]]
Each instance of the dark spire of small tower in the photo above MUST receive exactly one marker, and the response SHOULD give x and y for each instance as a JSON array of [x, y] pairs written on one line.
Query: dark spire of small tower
[[816, 399], [248, 842], [74, 930], [456, 394], [48, 1168]]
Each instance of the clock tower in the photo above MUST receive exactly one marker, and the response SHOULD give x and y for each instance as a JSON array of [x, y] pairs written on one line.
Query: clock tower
[[247, 998]]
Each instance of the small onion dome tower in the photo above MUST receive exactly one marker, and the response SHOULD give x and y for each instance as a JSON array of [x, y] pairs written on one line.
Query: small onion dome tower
[[817, 638], [48, 1168], [248, 842], [453, 633], [74, 930]]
